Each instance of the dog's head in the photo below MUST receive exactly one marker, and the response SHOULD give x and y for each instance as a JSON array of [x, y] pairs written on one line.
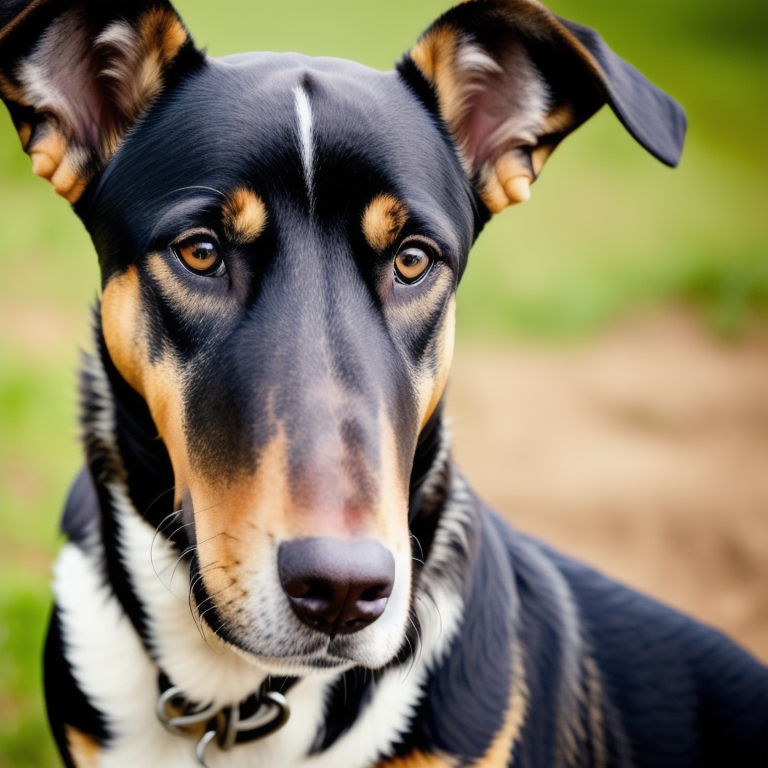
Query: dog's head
[[280, 241]]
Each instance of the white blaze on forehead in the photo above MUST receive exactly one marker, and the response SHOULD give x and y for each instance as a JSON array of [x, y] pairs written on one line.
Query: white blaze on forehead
[[304, 119]]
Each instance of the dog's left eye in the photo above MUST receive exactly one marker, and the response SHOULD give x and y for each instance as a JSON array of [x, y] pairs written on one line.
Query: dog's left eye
[[201, 256], [413, 262]]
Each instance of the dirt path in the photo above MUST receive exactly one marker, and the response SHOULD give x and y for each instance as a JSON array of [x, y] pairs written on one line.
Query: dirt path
[[643, 452]]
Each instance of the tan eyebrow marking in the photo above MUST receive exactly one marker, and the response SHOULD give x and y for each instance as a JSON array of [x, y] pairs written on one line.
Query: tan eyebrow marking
[[244, 215], [383, 220]]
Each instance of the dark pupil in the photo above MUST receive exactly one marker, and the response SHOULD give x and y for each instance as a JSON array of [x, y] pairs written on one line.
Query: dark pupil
[[412, 257], [203, 251]]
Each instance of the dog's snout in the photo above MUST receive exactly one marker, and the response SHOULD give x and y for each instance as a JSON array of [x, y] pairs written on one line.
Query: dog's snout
[[336, 586]]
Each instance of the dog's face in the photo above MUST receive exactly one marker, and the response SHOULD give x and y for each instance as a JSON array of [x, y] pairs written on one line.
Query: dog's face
[[283, 300], [280, 240]]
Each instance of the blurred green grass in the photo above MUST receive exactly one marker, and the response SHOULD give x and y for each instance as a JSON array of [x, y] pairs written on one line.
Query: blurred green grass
[[608, 230]]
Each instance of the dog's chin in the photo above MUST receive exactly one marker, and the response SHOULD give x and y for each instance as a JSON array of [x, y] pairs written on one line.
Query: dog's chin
[[321, 655], [334, 656], [318, 665]]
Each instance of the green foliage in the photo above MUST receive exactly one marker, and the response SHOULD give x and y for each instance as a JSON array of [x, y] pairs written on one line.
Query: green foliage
[[608, 230]]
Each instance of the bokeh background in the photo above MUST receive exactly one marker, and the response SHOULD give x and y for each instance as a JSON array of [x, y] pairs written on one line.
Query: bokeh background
[[611, 383]]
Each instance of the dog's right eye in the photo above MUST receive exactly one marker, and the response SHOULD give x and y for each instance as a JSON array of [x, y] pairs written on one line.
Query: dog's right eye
[[201, 256]]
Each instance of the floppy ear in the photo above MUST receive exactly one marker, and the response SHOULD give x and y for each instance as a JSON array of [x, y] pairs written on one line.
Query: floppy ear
[[77, 75], [511, 80]]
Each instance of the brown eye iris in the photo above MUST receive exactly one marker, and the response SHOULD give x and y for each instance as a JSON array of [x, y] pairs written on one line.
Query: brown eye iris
[[411, 264], [201, 256]]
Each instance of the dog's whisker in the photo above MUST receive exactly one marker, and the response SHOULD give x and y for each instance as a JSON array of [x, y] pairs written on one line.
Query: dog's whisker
[[189, 550], [421, 549], [172, 514], [418, 640], [216, 536], [176, 530], [411, 656], [156, 500], [210, 597], [210, 507], [197, 614], [203, 572], [154, 541]]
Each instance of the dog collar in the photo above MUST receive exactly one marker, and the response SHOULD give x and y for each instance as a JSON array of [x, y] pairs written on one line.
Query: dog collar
[[259, 715]]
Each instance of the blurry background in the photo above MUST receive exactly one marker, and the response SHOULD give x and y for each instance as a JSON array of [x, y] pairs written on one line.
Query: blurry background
[[611, 377]]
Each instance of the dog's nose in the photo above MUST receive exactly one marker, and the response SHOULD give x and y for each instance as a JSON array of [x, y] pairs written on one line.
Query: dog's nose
[[336, 586]]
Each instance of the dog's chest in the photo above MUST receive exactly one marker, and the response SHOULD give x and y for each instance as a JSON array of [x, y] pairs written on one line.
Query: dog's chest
[[119, 678]]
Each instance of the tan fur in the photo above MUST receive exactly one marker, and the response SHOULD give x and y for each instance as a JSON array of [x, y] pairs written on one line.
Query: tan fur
[[497, 754], [400, 316], [383, 221], [123, 331], [163, 386], [444, 354], [55, 159], [416, 759], [244, 215], [435, 55], [11, 91], [236, 525], [47, 153], [159, 382], [84, 749], [595, 698], [25, 133], [391, 520], [69, 182], [505, 182], [186, 299]]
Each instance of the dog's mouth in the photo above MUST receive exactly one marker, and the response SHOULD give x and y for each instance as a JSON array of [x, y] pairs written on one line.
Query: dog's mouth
[[329, 656], [265, 616], [304, 655]]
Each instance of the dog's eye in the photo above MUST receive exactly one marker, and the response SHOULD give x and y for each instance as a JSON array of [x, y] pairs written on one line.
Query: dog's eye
[[201, 256], [413, 262]]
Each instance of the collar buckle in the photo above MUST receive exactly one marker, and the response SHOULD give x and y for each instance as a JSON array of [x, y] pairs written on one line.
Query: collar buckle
[[269, 711]]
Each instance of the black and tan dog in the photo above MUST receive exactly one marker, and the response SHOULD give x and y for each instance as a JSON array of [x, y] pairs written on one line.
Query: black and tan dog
[[280, 241]]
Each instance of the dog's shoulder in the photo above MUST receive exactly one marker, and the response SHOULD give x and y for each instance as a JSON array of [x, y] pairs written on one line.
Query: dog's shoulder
[[671, 684]]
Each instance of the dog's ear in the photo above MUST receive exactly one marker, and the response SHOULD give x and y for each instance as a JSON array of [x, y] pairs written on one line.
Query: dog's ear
[[77, 75], [511, 80]]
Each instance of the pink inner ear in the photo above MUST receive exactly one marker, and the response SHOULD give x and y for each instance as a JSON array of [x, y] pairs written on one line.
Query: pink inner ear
[[83, 104], [505, 102], [60, 77]]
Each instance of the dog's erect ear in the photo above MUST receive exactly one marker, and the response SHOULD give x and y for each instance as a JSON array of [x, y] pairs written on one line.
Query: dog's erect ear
[[77, 75], [511, 80]]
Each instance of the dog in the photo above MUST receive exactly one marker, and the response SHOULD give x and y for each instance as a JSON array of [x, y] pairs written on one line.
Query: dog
[[271, 558]]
